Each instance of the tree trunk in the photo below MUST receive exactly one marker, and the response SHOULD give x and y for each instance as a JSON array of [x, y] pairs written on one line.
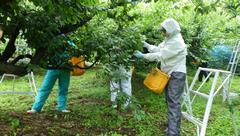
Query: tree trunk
[[39, 54], [21, 57], [12, 69], [8, 53], [73, 27], [5, 1], [10, 48]]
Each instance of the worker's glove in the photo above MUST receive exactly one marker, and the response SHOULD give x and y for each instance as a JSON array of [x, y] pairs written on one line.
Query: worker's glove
[[145, 44], [138, 54]]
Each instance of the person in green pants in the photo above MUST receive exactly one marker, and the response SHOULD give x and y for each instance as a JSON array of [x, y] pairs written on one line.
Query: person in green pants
[[58, 68]]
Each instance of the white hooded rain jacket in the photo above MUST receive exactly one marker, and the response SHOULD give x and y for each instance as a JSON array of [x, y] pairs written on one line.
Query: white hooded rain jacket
[[172, 51]]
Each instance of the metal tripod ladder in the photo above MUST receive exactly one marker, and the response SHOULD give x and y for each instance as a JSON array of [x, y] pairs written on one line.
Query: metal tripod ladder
[[209, 95], [224, 85], [232, 65], [32, 85], [234, 59]]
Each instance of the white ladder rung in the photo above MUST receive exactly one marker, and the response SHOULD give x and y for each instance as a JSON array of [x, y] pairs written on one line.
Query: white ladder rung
[[201, 94], [232, 63], [192, 119], [11, 75], [236, 49], [9, 92]]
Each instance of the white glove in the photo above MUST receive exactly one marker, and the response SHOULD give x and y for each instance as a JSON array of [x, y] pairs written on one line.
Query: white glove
[[145, 44], [138, 54]]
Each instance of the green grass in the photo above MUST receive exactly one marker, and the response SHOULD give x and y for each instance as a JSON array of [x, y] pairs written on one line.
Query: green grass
[[89, 101]]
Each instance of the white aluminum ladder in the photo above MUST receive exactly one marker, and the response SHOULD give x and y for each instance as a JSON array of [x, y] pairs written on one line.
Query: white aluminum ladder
[[225, 86], [232, 66], [32, 85], [234, 59], [209, 95]]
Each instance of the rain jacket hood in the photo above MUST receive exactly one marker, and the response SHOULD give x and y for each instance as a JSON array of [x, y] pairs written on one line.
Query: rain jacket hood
[[171, 26]]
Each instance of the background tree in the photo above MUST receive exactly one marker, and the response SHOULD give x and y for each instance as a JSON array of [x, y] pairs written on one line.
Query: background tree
[[38, 22], [112, 29]]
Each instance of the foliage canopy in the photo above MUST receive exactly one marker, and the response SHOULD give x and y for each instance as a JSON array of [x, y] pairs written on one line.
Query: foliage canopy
[[114, 29]]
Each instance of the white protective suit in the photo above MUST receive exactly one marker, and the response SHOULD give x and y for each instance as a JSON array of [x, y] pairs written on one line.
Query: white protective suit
[[172, 51], [172, 55], [123, 85], [1, 32]]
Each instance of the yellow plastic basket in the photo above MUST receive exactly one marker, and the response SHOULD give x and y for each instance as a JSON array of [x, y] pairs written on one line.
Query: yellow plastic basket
[[79, 61], [156, 80]]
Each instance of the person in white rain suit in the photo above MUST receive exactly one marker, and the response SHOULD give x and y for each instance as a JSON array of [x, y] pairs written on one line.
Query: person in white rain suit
[[121, 84], [172, 55], [1, 31]]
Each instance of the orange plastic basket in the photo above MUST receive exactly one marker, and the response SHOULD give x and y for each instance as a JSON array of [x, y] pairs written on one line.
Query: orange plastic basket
[[79, 61], [156, 80]]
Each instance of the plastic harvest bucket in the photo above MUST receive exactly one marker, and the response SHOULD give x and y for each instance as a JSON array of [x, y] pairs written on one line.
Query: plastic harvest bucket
[[156, 80], [77, 61]]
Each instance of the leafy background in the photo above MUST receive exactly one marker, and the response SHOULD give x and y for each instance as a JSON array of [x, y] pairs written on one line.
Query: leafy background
[[113, 29]]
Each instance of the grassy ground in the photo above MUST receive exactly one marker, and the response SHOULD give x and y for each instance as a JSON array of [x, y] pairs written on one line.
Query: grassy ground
[[89, 101]]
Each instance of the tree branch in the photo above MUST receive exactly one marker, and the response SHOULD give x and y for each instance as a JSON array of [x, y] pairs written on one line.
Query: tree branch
[[12, 69], [73, 27], [40, 53], [96, 60], [21, 57], [5, 1], [11, 48]]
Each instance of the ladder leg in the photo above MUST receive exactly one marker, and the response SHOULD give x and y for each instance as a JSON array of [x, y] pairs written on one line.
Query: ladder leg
[[225, 87], [198, 130], [30, 83], [187, 99], [232, 115], [2, 78], [209, 106], [13, 89], [33, 83]]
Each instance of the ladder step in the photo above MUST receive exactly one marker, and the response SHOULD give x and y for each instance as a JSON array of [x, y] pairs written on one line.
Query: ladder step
[[232, 63], [201, 94], [16, 93], [192, 119], [10, 75]]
